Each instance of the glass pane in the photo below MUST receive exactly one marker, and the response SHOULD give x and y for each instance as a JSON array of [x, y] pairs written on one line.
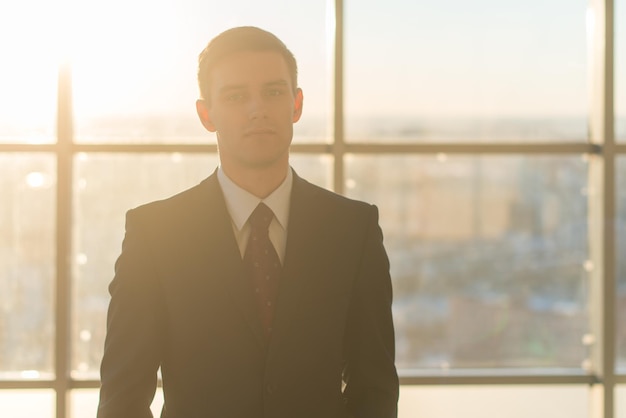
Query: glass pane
[[620, 69], [488, 257], [140, 85], [28, 74], [485, 70], [27, 265], [106, 186], [316, 169], [84, 403], [494, 401], [27, 403], [620, 401], [620, 231]]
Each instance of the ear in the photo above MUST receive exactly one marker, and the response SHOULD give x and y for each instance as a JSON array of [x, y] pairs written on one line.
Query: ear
[[297, 105], [204, 115]]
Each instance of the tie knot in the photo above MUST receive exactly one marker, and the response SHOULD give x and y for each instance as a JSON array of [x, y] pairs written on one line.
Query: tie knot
[[261, 217]]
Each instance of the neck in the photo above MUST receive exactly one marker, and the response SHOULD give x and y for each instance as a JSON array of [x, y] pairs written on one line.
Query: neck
[[261, 182]]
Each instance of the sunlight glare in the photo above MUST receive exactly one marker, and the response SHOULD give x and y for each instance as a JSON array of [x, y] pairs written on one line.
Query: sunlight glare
[[590, 27], [35, 179], [30, 374], [118, 57], [29, 48]]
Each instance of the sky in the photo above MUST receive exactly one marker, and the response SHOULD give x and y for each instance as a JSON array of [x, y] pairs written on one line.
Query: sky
[[485, 58], [478, 58]]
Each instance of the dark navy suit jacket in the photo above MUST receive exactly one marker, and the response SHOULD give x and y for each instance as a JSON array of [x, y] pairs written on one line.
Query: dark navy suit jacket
[[180, 301]]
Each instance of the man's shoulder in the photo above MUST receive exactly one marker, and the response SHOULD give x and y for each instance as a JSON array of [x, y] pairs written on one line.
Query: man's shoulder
[[330, 208], [180, 203], [324, 196]]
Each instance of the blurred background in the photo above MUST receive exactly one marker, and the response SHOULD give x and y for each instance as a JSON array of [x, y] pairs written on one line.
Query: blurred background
[[491, 135]]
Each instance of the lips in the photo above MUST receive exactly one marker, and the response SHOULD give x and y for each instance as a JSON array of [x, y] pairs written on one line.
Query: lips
[[259, 131]]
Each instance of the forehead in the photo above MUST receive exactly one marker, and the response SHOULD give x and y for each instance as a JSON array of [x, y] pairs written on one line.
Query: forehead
[[249, 68]]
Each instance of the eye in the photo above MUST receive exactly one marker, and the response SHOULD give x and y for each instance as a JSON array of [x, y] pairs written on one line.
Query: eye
[[234, 97], [274, 92]]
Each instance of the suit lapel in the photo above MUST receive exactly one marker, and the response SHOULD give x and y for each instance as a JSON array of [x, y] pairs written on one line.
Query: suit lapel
[[223, 259], [303, 223]]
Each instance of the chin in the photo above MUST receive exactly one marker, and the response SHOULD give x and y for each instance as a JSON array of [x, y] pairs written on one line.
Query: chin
[[265, 162]]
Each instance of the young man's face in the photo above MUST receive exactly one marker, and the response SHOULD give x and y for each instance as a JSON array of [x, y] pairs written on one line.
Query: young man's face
[[252, 109]]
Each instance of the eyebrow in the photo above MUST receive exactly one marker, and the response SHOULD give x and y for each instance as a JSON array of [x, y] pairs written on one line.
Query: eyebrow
[[280, 82], [231, 87], [226, 89]]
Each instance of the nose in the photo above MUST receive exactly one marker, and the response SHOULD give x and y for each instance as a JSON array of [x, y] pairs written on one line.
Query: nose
[[257, 108]]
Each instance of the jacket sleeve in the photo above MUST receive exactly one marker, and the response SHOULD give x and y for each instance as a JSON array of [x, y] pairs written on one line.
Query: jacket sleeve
[[370, 375], [132, 349]]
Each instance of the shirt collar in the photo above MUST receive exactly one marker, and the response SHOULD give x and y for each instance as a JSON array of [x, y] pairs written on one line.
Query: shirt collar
[[241, 203]]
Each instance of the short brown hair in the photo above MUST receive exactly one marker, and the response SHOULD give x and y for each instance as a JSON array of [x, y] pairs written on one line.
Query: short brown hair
[[244, 38]]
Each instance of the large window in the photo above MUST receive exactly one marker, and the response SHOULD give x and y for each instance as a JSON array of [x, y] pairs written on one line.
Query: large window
[[480, 71], [489, 257], [490, 134]]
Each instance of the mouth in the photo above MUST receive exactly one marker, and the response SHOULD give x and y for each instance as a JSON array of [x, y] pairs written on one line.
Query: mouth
[[259, 131]]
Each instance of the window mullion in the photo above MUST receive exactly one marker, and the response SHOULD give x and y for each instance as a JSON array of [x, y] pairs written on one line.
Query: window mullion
[[602, 205], [338, 111], [63, 240]]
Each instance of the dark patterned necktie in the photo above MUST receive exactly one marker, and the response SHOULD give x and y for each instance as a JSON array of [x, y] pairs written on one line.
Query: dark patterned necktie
[[262, 264]]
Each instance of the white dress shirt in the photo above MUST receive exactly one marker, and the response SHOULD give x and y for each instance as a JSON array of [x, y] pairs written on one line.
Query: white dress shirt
[[241, 203]]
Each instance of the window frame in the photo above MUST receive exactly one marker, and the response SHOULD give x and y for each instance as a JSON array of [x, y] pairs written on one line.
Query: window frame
[[602, 148]]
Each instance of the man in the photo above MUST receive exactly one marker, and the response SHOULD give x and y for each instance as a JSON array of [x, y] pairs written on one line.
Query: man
[[290, 320]]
